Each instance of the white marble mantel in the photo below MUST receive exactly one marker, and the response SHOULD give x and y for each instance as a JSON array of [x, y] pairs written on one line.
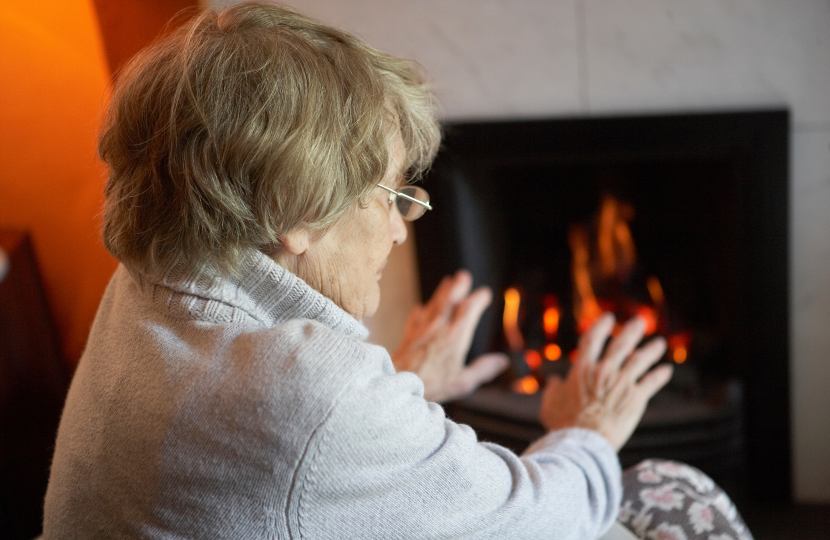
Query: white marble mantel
[[543, 58]]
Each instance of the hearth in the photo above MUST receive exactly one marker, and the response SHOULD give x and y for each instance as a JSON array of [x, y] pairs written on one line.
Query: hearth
[[681, 219]]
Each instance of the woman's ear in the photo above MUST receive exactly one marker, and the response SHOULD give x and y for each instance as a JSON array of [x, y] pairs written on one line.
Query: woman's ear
[[296, 242]]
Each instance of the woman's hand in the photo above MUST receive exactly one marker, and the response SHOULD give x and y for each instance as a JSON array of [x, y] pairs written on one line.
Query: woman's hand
[[607, 395], [438, 335]]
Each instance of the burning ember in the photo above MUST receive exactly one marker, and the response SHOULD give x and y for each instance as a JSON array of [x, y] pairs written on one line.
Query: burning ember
[[603, 273], [512, 300], [530, 360], [553, 352]]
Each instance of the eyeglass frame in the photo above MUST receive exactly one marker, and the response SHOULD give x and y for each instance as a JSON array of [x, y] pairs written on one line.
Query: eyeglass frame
[[408, 198]]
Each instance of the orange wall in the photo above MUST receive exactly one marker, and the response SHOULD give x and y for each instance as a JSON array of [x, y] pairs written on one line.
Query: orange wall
[[53, 87], [54, 82], [128, 25]]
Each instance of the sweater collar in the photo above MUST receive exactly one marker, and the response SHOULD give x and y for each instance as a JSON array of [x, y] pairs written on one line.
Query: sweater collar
[[266, 292]]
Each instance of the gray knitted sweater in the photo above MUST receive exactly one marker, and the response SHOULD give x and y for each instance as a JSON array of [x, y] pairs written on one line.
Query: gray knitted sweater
[[253, 408]]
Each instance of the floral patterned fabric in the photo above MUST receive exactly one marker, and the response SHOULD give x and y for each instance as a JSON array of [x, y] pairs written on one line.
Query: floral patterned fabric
[[666, 500]]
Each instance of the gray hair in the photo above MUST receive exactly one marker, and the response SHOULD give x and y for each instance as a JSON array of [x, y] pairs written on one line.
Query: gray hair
[[242, 125]]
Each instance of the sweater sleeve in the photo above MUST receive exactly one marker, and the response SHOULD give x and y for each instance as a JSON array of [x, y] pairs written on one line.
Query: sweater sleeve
[[385, 463]]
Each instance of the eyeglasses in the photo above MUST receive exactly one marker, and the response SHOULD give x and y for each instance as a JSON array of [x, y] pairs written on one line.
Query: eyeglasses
[[404, 198]]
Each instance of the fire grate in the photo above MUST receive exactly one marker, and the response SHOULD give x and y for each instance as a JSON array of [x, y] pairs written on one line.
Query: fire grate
[[705, 433]]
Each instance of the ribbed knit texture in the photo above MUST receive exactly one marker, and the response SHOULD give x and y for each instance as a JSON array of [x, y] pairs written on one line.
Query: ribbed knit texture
[[252, 408]]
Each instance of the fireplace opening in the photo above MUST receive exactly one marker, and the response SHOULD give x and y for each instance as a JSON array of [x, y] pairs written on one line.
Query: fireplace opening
[[681, 219]]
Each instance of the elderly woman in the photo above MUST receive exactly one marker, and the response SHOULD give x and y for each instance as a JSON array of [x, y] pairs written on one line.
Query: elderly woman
[[258, 179]]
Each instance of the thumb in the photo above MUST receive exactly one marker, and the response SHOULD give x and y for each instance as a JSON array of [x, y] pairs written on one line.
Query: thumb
[[482, 369]]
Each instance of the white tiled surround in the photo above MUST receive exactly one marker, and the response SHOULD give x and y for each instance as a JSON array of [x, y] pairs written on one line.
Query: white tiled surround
[[524, 58], [704, 54]]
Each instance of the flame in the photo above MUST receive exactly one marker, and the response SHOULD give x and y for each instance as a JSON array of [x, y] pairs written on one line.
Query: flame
[[533, 359], [649, 316], [526, 385], [607, 266], [679, 346], [512, 299], [553, 352], [586, 307], [655, 290], [550, 321], [615, 246]]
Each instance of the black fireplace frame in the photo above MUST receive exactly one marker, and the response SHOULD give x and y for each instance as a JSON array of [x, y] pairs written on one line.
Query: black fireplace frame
[[757, 142]]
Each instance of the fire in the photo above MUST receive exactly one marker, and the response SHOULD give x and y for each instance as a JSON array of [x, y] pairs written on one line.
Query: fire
[[526, 385], [604, 280], [553, 352], [649, 316], [533, 359], [550, 321], [510, 319], [679, 346], [615, 246], [605, 262], [655, 290], [586, 307]]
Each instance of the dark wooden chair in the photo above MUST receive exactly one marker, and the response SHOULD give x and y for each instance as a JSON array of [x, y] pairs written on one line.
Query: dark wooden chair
[[33, 383]]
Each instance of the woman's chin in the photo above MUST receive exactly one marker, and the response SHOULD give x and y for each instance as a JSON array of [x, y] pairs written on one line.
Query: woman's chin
[[370, 307]]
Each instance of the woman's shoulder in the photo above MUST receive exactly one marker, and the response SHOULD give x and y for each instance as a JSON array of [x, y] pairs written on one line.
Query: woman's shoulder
[[307, 354]]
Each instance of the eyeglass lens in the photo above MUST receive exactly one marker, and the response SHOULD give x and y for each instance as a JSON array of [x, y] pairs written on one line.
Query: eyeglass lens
[[410, 210]]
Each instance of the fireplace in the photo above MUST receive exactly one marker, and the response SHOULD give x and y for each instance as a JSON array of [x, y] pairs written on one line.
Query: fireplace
[[703, 198]]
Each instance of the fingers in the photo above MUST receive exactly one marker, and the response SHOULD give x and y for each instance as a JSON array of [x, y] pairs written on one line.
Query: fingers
[[461, 284], [454, 304], [468, 313], [643, 390], [451, 291], [458, 332], [618, 350], [643, 358], [635, 377], [592, 342], [655, 380], [590, 347], [462, 382], [625, 342], [483, 369], [454, 288]]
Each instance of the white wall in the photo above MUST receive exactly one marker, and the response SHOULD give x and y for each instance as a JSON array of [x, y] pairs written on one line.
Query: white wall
[[526, 58]]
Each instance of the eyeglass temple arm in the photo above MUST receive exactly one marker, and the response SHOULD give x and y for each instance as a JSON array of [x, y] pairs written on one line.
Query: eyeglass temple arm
[[407, 197]]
